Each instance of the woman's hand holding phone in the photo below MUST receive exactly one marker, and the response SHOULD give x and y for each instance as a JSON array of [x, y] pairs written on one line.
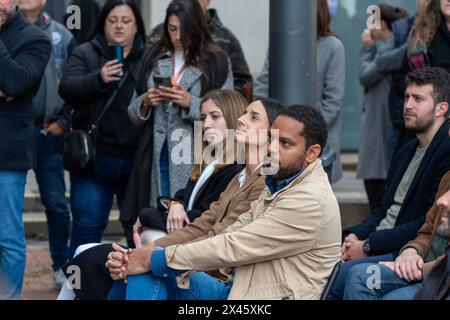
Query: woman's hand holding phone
[[110, 71], [178, 95], [152, 98]]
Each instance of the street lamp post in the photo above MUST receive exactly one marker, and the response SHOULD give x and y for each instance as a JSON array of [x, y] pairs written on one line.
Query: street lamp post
[[292, 53]]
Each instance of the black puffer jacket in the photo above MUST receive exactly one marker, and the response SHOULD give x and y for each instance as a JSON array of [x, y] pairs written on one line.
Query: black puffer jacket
[[83, 89]]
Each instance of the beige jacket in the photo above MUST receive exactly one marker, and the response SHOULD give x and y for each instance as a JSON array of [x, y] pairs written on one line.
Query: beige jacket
[[233, 202], [285, 247]]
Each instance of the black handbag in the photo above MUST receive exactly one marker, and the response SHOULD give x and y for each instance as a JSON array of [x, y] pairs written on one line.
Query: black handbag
[[78, 146]]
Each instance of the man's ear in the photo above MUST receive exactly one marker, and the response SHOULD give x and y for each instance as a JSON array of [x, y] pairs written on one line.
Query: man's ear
[[313, 153], [443, 109]]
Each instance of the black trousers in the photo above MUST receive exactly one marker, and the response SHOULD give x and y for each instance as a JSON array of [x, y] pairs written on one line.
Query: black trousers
[[95, 279]]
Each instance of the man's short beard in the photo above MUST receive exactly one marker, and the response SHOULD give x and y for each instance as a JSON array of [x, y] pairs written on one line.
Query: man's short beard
[[443, 230], [421, 127], [285, 172]]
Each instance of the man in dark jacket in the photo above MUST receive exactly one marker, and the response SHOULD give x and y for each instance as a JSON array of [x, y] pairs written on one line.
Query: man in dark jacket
[[225, 39], [49, 126], [24, 53], [413, 178]]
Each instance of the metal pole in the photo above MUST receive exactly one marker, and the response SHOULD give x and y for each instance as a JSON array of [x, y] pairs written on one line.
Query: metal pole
[[292, 53]]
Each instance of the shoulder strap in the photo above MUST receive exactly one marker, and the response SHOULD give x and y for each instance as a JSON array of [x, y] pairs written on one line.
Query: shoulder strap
[[111, 99]]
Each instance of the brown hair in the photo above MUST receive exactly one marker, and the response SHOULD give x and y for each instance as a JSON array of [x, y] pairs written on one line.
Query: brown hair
[[232, 104], [390, 14], [426, 23], [323, 20], [438, 78]]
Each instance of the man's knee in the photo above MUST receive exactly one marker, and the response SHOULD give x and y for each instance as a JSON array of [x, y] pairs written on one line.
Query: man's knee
[[84, 247], [151, 235], [359, 274]]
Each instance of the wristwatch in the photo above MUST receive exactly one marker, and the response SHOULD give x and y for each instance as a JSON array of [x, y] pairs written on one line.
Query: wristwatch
[[366, 247]]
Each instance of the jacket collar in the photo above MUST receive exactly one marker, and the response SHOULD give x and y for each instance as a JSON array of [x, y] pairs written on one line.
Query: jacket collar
[[435, 144], [203, 187], [306, 172], [274, 186], [101, 45], [250, 180], [190, 76], [15, 17], [212, 18]]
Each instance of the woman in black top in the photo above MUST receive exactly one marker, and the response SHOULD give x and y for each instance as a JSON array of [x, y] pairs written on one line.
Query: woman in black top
[[95, 81]]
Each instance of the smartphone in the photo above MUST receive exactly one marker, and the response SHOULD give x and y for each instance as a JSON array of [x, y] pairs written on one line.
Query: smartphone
[[119, 57], [162, 82]]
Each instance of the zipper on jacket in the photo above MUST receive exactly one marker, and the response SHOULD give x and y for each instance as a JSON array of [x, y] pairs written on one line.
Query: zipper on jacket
[[86, 147]]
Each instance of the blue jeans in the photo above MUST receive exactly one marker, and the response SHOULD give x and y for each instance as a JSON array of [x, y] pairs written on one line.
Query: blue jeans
[[164, 171], [161, 284], [150, 287], [49, 172], [337, 289], [92, 197], [12, 236], [362, 284]]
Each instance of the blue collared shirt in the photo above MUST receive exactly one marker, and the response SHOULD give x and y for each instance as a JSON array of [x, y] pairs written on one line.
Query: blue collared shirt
[[274, 186]]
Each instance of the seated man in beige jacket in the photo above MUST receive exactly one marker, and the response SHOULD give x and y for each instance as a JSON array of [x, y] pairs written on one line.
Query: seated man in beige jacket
[[284, 247]]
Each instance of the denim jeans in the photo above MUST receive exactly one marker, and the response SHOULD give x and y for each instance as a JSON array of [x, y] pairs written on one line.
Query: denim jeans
[[164, 171], [161, 284], [362, 284], [12, 237], [92, 197], [337, 288], [49, 172]]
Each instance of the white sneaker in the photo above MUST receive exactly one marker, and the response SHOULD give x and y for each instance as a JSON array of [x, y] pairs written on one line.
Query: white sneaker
[[59, 278]]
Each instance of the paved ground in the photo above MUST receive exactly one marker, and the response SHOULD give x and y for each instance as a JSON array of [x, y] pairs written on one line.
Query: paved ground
[[38, 282]]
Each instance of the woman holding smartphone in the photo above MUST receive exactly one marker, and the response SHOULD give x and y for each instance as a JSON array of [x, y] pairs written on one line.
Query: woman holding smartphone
[[188, 56], [92, 83]]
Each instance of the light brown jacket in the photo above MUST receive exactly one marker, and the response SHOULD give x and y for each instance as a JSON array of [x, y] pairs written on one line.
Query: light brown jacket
[[427, 233], [285, 247], [234, 201]]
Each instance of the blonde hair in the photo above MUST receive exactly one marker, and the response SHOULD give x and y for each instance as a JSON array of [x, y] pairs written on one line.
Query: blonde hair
[[232, 104], [426, 24]]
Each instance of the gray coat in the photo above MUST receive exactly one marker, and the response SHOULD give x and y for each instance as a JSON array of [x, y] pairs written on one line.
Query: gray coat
[[176, 128], [330, 91], [47, 103], [376, 124], [331, 68]]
